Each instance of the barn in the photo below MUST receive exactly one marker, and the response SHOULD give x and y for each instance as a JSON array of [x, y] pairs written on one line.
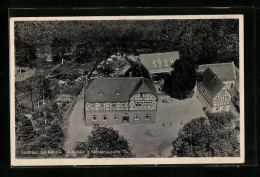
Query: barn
[[159, 62], [213, 93], [226, 72]]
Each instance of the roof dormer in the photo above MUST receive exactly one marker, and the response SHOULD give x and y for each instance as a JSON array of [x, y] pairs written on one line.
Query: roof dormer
[[100, 92], [117, 91]]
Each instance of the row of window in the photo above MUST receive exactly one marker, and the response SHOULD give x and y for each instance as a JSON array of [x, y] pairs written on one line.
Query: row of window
[[116, 117], [143, 96], [224, 98], [224, 108], [121, 106], [221, 103]]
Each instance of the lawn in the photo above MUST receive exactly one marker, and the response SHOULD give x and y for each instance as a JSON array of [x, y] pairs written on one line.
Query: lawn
[[152, 139]]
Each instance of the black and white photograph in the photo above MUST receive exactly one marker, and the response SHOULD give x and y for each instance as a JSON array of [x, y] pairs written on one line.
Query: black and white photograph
[[127, 90]]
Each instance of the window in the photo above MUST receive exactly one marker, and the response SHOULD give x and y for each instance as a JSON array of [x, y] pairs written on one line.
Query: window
[[113, 106], [104, 118], [137, 117], [94, 118], [101, 106], [147, 117], [92, 106], [216, 108], [138, 104], [116, 117]]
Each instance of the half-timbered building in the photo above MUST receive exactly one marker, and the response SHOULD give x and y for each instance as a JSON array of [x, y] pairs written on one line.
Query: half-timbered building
[[118, 100], [226, 72], [212, 93]]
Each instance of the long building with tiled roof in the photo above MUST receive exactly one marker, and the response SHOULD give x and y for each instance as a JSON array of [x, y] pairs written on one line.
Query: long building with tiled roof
[[213, 93], [159, 62], [120, 100]]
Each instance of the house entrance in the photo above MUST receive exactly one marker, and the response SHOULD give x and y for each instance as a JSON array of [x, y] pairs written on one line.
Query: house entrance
[[125, 119]]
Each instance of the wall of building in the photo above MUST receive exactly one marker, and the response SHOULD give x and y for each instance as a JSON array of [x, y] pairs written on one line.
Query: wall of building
[[145, 101], [106, 106], [225, 108], [223, 97], [119, 114]]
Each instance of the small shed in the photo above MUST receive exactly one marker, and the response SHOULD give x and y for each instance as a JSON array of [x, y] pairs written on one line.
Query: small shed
[[64, 98]]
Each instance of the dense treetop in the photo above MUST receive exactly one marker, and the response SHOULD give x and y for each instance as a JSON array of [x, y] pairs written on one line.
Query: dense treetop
[[43, 32], [215, 136], [206, 41]]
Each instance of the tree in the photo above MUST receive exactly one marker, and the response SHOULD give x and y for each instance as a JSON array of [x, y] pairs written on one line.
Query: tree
[[84, 52], [44, 85], [106, 69], [138, 70], [207, 41], [214, 137], [180, 83], [24, 130], [60, 48], [44, 52], [55, 133], [24, 53], [81, 149], [105, 142], [236, 100]]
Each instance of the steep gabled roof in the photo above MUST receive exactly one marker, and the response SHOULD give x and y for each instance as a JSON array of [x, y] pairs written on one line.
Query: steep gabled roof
[[224, 71], [118, 89], [210, 84], [166, 59], [145, 86]]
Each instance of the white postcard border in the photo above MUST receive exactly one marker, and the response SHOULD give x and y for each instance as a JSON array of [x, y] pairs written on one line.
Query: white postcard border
[[126, 161]]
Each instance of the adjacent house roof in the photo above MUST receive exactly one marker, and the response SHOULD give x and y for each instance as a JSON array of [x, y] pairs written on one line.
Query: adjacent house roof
[[118, 89], [159, 62], [224, 71], [210, 84]]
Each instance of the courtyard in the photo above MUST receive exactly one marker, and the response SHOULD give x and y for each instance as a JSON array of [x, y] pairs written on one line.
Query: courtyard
[[145, 140]]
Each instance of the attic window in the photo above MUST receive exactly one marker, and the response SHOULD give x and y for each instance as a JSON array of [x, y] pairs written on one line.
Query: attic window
[[117, 91], [100, 92]]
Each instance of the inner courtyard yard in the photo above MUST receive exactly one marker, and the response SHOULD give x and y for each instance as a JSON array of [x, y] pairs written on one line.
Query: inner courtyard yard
[[151, 139]]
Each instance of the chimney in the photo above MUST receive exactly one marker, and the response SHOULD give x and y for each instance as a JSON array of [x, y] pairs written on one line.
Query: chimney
[[117, 91], [130, 74]]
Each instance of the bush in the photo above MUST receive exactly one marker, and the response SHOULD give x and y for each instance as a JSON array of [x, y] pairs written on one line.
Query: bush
[[103, 143]]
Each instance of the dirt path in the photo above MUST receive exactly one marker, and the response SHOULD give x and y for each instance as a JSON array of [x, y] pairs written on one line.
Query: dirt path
[[77, 132], [53, 70]]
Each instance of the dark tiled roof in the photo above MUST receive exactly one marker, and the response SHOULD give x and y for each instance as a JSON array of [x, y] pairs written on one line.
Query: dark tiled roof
[[210, 84], [224, 71], [162, 61], [118, 89]]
